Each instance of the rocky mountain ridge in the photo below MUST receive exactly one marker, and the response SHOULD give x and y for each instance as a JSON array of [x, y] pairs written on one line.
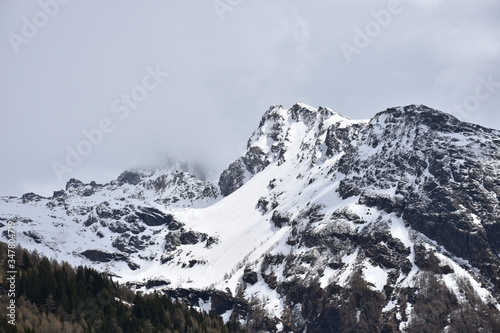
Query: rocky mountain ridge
[[325, 224]]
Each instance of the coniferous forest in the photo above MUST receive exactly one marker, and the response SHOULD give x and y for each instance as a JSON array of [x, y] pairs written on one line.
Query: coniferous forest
[[53, 297]]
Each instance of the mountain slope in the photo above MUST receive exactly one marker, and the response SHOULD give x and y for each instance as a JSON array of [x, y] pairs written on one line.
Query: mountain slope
[[325, 224], [59, 298]]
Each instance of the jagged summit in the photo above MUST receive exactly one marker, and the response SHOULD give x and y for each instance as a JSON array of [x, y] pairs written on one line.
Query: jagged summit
[[330, 223], [285, 134], [432, 118]]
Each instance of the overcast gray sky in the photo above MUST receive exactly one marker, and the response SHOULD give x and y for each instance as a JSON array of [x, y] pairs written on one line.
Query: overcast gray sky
[[101, 66]]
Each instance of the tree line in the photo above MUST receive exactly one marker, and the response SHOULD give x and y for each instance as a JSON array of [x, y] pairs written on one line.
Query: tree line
[[53, 297]]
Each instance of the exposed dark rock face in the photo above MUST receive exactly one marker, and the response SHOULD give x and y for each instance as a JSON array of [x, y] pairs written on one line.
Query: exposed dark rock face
[[73, 183], [27, 197], [129, 244], [153, 217], [172, 241], [101, 256], [179, 186], [58, 194], [280, 219], [156, 283], [77, 187], [34, 235], [233, 177], [180, 237], [221, 302], [104, 257], [250, 276], [129, 177], [189, 237], [447, 175]]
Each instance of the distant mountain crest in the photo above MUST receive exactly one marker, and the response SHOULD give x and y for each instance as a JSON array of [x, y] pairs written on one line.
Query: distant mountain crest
[[324, 224]]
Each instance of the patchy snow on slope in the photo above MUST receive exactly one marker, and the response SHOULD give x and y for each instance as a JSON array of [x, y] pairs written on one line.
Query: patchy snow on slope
[[400, 231], [375, 275], [475, 219], [460, 273], [350, 265], [328, 277], [269, 299]]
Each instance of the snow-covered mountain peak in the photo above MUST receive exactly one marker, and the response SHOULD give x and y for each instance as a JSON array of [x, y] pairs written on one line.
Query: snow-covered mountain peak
[[298, 133], [426, 119], [323, 217]]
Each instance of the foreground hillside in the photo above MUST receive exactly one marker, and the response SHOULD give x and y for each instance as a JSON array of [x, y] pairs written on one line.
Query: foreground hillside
[[324, 224], [57, 298]]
